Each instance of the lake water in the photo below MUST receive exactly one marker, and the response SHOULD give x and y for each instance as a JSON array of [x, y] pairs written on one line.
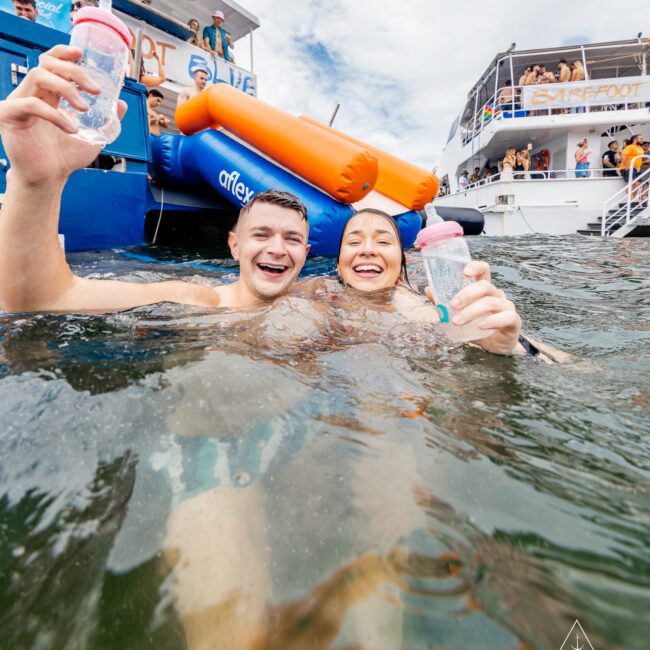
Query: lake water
[[326, 475]]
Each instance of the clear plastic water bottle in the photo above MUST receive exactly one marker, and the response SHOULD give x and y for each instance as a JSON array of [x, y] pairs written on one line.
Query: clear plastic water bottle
[[445, 255], [105, 41]]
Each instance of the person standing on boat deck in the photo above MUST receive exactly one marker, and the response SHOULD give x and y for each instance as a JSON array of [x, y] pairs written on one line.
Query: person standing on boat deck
[[645, 166], [148, 80], [217, 40], [564, 72], [463, 181], [533, 77], [476, 176], [582, 160], [508, 164], [156, 120], [611, 160], [578, 73], [200, 82], [26, 9], [196, 40], [504, 101], [523, 80], [631, 170]]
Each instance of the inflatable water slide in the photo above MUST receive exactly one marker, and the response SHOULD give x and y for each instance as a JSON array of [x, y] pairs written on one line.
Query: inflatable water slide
[[241, 146]]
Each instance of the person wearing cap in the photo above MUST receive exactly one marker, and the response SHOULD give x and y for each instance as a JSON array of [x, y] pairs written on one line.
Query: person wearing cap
[[217, 40], [200, 77]]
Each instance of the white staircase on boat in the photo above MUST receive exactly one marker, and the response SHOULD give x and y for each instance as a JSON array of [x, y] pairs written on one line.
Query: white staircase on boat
[[626, 213]]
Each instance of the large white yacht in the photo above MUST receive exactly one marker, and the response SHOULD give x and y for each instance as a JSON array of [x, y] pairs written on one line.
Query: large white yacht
[[611, 104]]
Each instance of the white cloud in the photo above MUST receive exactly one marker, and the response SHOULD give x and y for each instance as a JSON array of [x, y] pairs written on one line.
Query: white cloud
[[402, 70]]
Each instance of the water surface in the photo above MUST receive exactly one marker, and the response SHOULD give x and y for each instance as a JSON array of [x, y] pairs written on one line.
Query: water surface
[[326, 474]]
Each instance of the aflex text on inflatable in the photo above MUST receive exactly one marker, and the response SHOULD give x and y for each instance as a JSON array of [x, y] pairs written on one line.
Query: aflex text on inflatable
[[237, 174], [343, 169]]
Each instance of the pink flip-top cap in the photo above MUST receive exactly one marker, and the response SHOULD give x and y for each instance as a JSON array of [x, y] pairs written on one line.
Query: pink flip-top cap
[[433, 235], [96, 15]]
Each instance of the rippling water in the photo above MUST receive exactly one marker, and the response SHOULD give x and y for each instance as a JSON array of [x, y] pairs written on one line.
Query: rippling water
[[320, 475]]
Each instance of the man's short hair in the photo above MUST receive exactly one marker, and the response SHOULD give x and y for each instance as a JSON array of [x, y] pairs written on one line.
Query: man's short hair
[[611, 143], [274, 197], [562, 61], [203, 70], [154, 92], [26, 2]]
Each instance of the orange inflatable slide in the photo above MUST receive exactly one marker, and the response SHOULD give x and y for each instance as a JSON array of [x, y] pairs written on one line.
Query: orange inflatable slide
[[343, 167], [344, 170], [399, 180]]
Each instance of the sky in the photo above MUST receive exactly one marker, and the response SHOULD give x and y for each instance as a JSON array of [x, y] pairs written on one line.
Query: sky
[[401, 70]]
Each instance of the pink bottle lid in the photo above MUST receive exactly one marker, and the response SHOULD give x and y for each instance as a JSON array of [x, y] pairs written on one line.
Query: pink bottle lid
[[433, 235], [96, 15]]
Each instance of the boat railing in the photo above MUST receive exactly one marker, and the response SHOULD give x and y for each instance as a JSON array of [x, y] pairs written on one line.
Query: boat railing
[[620, 208], [543, 175], [507, 103]]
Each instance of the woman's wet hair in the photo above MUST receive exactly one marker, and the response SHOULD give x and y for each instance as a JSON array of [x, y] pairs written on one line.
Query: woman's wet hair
[[403, 275]]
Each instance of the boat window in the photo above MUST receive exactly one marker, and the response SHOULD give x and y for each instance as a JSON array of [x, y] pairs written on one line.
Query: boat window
[[454, 128]]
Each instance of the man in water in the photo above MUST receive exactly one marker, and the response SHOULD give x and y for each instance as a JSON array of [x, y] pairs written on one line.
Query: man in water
[[156, 120], [26, 9], [269, 240], [200, 82]]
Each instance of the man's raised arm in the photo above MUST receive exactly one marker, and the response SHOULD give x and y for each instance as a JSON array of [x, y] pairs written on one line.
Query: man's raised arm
[[34, 275]]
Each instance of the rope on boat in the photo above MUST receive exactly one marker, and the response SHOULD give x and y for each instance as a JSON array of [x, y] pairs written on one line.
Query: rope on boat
[[162, 205]]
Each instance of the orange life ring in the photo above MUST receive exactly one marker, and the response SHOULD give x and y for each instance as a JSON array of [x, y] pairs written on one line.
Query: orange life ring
[[543, 160]]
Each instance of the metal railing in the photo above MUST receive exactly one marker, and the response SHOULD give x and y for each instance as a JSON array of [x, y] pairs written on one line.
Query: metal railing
[[541, 175], [637, 188], [500, 107]]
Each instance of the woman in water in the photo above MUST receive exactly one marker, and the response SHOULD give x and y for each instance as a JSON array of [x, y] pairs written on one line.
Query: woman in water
[[372, 260]]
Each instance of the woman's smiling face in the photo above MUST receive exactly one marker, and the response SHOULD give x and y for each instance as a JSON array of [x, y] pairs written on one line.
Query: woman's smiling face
[[370, 258]]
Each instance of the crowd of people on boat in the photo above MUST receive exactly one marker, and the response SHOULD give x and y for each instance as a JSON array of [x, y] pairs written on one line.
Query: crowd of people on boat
[[214, 39], [510, 96], [618, 160], [624, 161]]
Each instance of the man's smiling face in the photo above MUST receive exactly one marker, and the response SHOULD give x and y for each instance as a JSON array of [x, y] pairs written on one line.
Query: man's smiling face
[[270, 243]]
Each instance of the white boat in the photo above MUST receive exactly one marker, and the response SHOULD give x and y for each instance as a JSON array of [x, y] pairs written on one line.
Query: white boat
[[612, 104]]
